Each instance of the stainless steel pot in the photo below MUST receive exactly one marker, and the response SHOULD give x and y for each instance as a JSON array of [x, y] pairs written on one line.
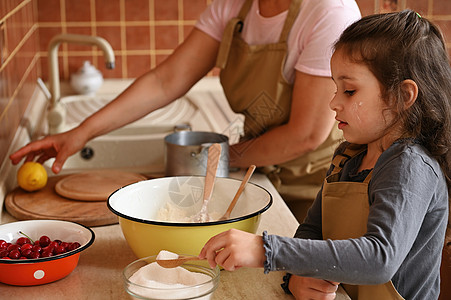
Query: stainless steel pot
[[187, 152]]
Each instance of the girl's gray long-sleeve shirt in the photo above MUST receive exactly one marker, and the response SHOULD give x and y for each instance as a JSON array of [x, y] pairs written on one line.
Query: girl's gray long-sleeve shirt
[[406, 227]]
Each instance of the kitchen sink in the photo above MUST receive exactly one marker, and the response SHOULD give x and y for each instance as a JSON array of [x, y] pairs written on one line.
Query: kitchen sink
[[139, 146]]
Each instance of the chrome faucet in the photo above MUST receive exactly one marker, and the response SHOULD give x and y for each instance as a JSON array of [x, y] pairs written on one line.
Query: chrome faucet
[[57, 113]]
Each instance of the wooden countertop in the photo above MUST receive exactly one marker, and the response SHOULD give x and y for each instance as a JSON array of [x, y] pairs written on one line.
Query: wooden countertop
[[99, 272]]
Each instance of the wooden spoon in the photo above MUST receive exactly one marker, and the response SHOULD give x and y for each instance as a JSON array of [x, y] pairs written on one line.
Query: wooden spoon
[[214, 152], [175, 262], [246, 178]]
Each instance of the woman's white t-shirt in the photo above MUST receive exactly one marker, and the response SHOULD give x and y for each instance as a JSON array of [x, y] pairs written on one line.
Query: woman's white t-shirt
[[317, 27]]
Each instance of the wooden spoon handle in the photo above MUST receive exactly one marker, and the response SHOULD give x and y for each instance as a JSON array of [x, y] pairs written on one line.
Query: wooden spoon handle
[[188, 257], [246, 178], [214, 152], [175, 262]]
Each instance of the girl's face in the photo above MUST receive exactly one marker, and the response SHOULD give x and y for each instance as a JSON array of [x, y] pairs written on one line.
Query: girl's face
[[362, 114]]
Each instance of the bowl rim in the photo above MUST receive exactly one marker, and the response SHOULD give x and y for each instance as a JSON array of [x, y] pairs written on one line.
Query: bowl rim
[[191, 224], [54, 257], [215, 280]]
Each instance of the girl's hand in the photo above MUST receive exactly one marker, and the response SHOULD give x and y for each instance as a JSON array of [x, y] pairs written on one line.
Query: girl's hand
[[304, 288], [233, 249]]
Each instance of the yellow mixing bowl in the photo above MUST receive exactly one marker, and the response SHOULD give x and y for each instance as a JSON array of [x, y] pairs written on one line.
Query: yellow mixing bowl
[[156, 214]]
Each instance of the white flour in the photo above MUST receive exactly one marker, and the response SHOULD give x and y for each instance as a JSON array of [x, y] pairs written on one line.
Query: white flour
[[166, 255], [173, 213]]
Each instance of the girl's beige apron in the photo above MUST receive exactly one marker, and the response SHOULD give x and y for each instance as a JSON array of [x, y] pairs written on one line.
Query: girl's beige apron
[[345, 209], [254, 84]]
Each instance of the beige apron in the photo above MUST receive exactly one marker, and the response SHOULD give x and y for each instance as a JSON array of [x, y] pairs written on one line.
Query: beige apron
[[345, 209], [255, 86]]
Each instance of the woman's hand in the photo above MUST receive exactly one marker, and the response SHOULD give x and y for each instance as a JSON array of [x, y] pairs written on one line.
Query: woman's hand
[[60, 146], [304, 288], [233, 249]]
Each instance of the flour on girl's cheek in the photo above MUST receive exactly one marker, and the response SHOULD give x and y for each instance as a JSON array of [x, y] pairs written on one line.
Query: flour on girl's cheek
[[356, 108]]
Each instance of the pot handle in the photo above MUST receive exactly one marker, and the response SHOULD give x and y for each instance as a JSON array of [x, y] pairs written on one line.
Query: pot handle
[[202, 150], [182, 127]]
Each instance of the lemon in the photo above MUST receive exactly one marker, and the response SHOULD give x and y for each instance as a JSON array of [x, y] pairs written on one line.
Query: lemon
[[32, 176]]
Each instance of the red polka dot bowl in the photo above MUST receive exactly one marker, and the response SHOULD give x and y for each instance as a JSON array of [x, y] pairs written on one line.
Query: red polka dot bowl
[[37, 271]]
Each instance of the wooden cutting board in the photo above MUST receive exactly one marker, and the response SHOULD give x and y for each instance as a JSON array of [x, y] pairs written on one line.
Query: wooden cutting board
[[95, 185], [47, 204]]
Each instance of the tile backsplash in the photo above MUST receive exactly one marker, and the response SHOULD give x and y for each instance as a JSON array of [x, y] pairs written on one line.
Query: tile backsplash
[[141, 32]]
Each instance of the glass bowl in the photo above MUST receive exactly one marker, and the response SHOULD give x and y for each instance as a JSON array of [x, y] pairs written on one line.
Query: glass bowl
[[159, 291]]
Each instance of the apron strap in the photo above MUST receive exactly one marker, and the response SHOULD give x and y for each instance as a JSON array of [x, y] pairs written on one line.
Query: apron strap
[[245, 9], [340, 159], [226, 43], [368, 177], [234, 25], [293, 12]]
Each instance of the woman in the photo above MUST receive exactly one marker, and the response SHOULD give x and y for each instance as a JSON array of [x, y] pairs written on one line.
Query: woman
[[282, 87]]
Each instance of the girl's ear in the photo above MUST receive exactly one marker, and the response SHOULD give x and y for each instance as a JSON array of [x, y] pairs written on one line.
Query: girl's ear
[[410, 91]]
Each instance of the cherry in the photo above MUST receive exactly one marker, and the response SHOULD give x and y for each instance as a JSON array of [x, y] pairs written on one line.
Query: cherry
[[47, 249], [13, 247], [44, 241], [25, 252], [3, 244], [26, 246], [14, 254], [4, 253], [53, 244], [36, 248], [59, 249], [46, 253], [73, 246], [23, 240], [34, 254]]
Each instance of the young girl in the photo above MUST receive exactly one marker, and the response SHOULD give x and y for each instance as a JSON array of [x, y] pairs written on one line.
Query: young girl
[[378, 224]]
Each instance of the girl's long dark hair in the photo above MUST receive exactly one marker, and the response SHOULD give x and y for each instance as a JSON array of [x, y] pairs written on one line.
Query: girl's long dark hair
[[399, 46]]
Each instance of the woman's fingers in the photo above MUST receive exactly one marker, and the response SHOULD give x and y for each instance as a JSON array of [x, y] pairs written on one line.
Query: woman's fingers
[[33, 150]]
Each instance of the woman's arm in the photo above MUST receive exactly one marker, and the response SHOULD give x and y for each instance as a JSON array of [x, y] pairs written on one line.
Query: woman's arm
[[310, 123], [157, 88]]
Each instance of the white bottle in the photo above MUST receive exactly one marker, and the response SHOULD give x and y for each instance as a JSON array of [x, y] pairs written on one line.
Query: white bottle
[[87, 80]]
